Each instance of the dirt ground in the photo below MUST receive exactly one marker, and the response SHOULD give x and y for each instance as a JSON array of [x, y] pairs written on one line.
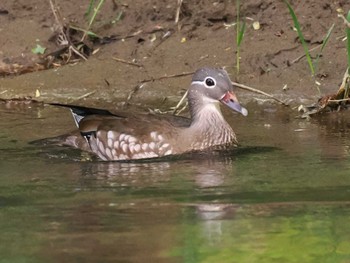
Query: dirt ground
[[146, 35]]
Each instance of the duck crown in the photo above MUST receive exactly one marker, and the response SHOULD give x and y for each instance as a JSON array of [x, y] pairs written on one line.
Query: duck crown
[[210, 86], [211, 82]]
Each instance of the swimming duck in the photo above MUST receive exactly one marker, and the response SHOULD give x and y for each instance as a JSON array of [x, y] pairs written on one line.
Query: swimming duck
[[120, 136]]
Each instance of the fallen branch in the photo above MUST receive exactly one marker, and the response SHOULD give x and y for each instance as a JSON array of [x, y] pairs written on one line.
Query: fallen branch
[[169, 77], [127, 62], [242, 86], [346, 22], [134, 91], [85, 95], [302, 56], [184, 96]]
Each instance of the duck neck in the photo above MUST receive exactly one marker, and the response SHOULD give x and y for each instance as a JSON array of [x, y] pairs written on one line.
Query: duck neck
[[208, 126]]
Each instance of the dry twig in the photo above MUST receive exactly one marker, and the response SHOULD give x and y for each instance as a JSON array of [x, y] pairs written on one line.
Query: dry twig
[[346, 22], [127, 62], [300, 57], [64, 37], [85, 95], [178, 9], [337, 101], [258, 92], [176, 109], [169, 77]]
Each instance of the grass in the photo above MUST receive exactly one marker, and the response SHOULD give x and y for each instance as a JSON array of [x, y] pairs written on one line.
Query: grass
[[93, 12], [348, 41], [301, 37], [312, 64], [90, 8], [240, 29], [347, 85], [324, 43]]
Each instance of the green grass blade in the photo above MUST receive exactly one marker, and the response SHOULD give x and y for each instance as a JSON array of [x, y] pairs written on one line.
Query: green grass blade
[[237, 19], [240, 35], [347, 85], [87, 32], [326, 38], [301, 37], [348, 41], [238, 32], [324, 43], [95, 13], [90, 8], [92, 19]]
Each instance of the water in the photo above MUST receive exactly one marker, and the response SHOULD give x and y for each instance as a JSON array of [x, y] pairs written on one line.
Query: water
[[283, 196]]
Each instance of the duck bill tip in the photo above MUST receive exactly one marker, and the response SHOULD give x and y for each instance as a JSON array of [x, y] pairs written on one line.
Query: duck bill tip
[[230, 100]]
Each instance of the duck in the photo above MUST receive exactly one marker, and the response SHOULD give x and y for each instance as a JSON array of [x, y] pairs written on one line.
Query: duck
[[118, 136]]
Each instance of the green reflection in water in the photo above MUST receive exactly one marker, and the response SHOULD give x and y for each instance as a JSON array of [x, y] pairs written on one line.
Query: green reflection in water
[[269, 233], [289, 204]]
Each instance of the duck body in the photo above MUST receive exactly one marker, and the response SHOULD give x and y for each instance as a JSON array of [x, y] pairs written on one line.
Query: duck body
[[125, 136]]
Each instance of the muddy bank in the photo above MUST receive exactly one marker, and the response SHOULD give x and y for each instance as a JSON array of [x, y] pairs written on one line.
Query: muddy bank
[[202, 38]]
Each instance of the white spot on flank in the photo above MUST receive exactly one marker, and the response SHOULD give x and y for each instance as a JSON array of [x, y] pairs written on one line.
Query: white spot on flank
[[121, 137], [132, 139], [160, 138], [154, 135], [137, 147], [144, 146], [110, 143], [131, 148], [152, 145], [125, 148], [111, 135], [116, 145], [168, 152], [165, 145]]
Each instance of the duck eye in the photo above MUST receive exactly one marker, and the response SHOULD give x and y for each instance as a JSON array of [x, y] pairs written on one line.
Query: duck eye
[[209, 82]]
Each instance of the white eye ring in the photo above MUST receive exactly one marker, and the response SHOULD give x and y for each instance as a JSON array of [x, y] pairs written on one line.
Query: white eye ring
[[209, 82]]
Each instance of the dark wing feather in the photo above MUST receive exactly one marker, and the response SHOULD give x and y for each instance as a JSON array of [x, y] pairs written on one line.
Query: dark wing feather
[[80, 112]]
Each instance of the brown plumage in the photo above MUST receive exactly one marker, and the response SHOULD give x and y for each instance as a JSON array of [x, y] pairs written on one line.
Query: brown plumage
[[118, 136]]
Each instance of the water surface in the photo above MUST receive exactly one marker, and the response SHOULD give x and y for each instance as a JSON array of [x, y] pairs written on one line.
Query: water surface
[[283, 196]]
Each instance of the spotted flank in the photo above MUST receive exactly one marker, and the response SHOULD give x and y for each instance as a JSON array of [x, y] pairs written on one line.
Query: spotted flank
[[112, 145], [114, 135]]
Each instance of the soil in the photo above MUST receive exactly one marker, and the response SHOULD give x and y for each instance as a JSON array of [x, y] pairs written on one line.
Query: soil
[[145, 34]]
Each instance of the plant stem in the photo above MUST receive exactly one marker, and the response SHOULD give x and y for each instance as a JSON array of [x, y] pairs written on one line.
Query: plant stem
[[348, 41], [91, 5], [323, 45], [93, 18], [238, 26], [347, 88], [301, 37]]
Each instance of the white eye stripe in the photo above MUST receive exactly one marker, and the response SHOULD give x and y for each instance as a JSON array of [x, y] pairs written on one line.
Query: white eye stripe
[[196, 82], [204, 83]]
